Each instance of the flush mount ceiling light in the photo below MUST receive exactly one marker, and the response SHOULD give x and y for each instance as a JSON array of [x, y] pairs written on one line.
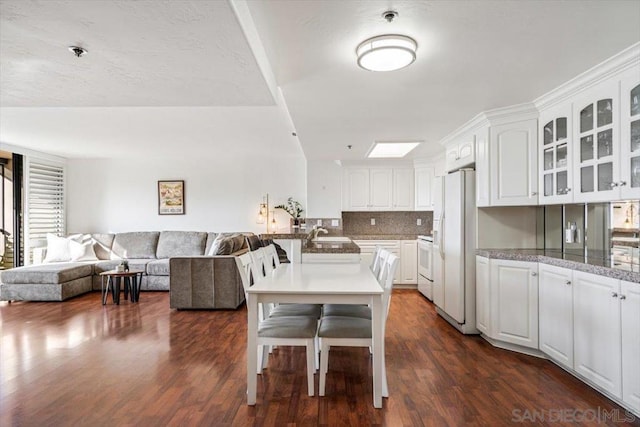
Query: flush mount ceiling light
[[387, 52], [391, 149]]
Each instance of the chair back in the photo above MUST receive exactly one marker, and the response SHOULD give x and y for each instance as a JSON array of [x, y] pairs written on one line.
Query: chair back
[[244, 264], [383, 254], [387, 275], [375, 261], [260, 267], [272, 256]]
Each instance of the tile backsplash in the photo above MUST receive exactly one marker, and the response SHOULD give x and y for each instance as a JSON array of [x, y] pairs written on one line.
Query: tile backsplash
[[395, 222]]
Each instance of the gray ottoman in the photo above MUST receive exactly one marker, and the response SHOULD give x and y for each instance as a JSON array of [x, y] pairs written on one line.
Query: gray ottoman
[[46, 282]]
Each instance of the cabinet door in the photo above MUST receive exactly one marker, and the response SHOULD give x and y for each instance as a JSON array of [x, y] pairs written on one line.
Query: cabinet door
[[356, 189], [596, 158], [483, 180], [597, 340], [555, 178], [380, 189], [513, 157], [451, 158], [483, 307], [630, 315], [423, 183], [409, 261], [466, 153], [629, 183], [403, 189], [514, 302], [556, 313]]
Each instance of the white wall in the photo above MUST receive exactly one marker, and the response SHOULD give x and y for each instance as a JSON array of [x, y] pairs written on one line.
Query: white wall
[[221, 194], [324, 189]]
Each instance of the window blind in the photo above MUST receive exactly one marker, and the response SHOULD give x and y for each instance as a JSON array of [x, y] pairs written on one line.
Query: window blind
[[45, 200]]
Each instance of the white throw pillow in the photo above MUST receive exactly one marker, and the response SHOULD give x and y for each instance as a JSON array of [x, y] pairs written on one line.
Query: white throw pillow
[[57, 249], [82, 251]]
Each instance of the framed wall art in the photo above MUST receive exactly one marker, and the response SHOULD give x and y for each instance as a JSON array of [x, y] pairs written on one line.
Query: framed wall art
[[171, 197]]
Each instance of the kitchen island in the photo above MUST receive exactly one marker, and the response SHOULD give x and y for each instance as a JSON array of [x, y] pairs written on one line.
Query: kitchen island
[[335, 249]]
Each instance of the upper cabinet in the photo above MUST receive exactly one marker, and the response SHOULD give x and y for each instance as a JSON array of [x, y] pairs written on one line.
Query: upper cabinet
[[424, 177], [514, 165], [554, 156], [378, 189], [461, 154], [589, 135]]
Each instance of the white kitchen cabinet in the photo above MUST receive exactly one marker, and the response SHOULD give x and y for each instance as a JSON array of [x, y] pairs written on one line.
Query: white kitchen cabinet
[[555, 180], [461, 154], [555, 301], [403, 190], [378, 189], [630, 323], [514, 302], [424, 177], [629, 183], [597, 135], [513, 157], [597, 332], [408, 262], [483, 295]]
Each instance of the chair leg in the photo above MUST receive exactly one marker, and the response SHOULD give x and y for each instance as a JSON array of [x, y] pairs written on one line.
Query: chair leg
[[260, 365], [311, 357], [317, 358], [324, 366], [385, 386], [265, 358]]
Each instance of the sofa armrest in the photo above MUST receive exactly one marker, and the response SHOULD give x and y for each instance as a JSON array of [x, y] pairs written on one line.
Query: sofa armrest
[[205, 282]]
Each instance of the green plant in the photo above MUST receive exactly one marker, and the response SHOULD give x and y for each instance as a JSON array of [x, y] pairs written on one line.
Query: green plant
[[292, 207]]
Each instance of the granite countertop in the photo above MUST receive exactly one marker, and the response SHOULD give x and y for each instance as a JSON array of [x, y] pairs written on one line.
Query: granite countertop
[[303, 235], [330, 248], [595, 263]]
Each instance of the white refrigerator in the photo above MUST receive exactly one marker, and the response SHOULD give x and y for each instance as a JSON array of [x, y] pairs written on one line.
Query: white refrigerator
[[454, 240]]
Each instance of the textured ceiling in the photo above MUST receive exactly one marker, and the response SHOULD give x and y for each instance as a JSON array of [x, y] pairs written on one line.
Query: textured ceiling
[[190, 75]]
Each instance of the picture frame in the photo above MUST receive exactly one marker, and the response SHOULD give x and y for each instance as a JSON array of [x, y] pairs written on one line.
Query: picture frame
[[171, 197]]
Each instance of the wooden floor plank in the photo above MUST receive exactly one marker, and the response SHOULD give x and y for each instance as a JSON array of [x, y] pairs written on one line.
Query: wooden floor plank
[[81, 363]]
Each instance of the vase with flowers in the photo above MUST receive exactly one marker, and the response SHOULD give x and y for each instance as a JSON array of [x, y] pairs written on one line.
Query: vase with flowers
[[294, 209]]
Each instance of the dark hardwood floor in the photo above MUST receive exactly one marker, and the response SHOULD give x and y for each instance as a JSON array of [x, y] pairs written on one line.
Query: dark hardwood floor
[[79, 363]]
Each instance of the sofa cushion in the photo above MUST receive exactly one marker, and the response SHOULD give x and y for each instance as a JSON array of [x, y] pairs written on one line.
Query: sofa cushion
[[82, 251], [134, 264], [53, 273], [137, 245], [158, 267], [253, 242], [181, 243], [102, 243], [58, 247]]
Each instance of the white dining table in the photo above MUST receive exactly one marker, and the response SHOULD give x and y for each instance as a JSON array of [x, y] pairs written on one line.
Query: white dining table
[[317, 284]]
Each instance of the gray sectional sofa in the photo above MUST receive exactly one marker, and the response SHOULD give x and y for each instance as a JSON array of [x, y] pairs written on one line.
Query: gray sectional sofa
[[174, 261]]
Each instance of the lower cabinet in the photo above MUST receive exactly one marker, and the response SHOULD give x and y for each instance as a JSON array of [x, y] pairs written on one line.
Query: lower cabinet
[[555, 302], [630, 316], [406, 250], [589, 324], [596, 330], [507, 301]]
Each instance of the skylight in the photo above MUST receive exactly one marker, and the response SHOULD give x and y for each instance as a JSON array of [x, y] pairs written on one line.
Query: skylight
[[391, 149]]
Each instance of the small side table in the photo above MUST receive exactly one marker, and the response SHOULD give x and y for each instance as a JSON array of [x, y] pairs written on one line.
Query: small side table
[[111, 281]]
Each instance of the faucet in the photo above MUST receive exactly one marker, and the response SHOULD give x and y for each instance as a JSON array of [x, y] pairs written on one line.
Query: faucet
[[314, 233]]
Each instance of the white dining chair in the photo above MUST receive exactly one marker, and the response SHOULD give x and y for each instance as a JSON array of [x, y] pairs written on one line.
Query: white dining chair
[[353, 331], [355, 310], [272, 255], [281, 331]]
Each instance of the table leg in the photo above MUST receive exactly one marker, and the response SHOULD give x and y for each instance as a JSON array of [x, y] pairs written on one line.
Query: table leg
[[378, 348], [138, 285], [252, 353], [116, 290], [105, 288], [127, 288]]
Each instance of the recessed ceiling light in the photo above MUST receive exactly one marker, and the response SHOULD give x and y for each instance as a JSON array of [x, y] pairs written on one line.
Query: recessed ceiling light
[[391, 149]]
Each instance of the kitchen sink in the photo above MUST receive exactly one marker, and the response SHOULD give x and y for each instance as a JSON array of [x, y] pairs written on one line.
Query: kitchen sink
[[338, 239]]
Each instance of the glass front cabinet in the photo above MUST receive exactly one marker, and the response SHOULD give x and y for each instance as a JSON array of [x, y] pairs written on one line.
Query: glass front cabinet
[[629, 183], [598, 144], [556, 148]]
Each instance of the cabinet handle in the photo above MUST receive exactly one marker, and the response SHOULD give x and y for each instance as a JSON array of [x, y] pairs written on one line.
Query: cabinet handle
[[534, 274], [623, 297], [534, 193], [613, 184], [614, 294], [622, 183], [566, 190], [568, 282]]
